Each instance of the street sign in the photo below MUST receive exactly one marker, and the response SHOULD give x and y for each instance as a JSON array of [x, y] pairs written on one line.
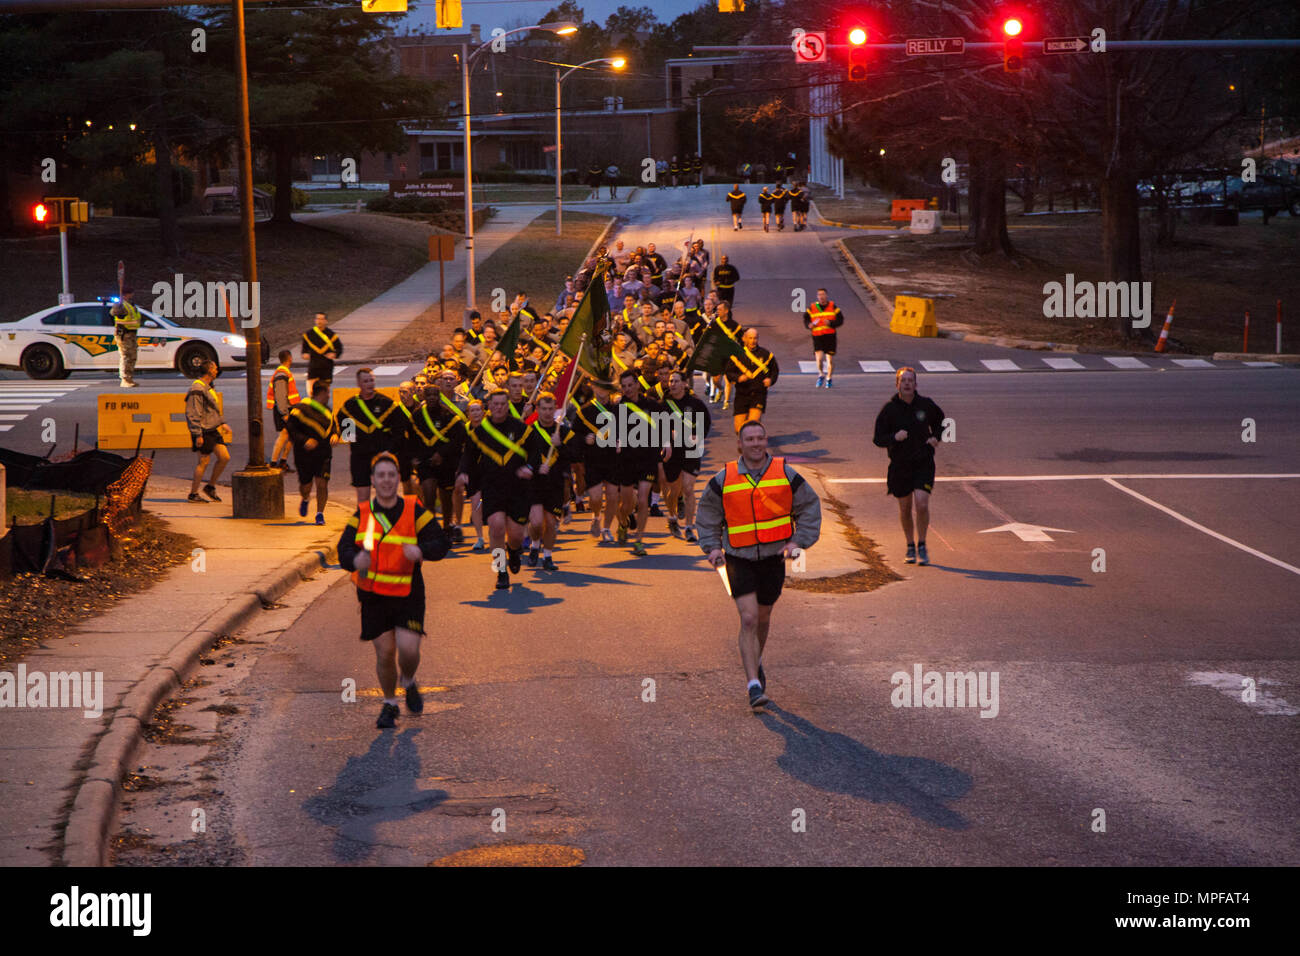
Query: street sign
[[1065, 44], [929, 46], [810, 48], [383, 6]]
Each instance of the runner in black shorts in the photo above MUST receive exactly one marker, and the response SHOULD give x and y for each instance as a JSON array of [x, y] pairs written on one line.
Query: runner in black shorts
[[678, 473], [314, 432], [754, 371], [439, 426], [383, 546], [822, 318], [911, 427], [550, 449], [754, 513], [495, 453], [637, 464], [593, 428]]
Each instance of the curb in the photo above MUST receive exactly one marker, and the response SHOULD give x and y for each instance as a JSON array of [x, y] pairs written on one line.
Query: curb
[[1256, 357], [98, 793]]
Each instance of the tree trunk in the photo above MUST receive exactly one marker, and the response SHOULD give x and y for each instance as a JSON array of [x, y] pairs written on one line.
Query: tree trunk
[[168, 227], [988, 201], [283, 184], [1121, 245]]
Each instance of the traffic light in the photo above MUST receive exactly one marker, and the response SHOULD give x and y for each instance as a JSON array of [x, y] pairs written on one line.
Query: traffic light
[[449, 15], [857, 37], [1013, 44], [43, 215], [731, 6]]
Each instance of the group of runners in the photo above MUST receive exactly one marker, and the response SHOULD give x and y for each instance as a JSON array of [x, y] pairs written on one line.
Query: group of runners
[[772, 201], [512, 440]]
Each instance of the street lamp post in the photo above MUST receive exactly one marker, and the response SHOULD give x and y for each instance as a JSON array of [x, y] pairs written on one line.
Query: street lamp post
[[558, 28], [617, 62], [699, 137]]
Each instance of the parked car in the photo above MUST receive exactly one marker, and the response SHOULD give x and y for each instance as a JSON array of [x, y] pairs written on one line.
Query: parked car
[[1268, 193], [58, 341]]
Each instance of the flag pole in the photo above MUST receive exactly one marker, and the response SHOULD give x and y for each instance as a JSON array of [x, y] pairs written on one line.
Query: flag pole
[[483, 370]]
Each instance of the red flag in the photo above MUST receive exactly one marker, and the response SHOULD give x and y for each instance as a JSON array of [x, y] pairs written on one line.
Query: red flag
[[563, 384]]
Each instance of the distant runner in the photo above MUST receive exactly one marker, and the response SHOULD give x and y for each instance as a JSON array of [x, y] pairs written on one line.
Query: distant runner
[[910, 426]]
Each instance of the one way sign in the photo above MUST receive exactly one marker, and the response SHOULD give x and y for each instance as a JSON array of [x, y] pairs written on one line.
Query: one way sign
[[1065, 45]]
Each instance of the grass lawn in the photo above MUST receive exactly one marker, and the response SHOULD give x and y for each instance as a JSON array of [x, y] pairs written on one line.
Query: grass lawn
[[33, 507], [1215, 272], [534, 260]]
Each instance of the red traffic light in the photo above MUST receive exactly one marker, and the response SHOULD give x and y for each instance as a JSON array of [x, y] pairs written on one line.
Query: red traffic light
[[1012, 26], [858, 36], [41, 213]]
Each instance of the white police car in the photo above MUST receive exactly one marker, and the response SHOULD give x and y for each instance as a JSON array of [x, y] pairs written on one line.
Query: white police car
[[57, 341]]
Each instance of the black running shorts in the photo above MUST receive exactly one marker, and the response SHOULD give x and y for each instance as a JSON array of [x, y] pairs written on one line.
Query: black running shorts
[[905, 477], [281, 423], [764, 577], [746, 400], [313, 464], [680, 462], [380, 614], [514, 498], [825, 343], [632, 468]]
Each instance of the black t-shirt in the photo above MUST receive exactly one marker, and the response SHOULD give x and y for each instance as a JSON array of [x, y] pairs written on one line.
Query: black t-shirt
[[315, 342], [922, 419]]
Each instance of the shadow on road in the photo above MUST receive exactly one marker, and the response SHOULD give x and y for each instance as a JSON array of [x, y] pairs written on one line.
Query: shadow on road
[[838, 764], [376, 788], [1015, 577], [519, 599]]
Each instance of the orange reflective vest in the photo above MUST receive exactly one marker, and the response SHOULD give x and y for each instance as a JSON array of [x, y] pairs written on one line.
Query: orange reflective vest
[[294, 397], [820, 317], [757, 511], [390, 571]]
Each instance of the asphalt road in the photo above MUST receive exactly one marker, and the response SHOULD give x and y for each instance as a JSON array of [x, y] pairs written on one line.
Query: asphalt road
[[1119, 692]]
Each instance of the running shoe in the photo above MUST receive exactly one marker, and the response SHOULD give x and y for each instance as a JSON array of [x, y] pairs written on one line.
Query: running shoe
[[821, 380], [211, 491], [829, 383], [673, 529], [606, 537], [622, 533], [595, 528], [762, 678], [548, 564], [302, 508], [533, 555], [320, 518], [911, 554], [724, 406], [689, 535], [456, 534], [639, 549], [514, 560], [387, 716], [479, 545], [656, 511], [414, 702], [197, 498], [503, 580], [758, 699], [922, 556]]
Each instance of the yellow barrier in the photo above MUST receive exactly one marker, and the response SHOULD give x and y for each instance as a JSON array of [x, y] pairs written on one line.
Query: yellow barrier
[[913, 316], [160, 414]]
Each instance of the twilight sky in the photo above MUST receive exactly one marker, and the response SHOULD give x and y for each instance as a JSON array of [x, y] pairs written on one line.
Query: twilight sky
[[508, 13]]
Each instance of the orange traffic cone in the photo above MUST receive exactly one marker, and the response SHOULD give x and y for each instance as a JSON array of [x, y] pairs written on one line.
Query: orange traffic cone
[[1164, 333]]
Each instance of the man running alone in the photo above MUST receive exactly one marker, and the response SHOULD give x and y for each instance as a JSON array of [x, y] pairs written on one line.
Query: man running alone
[[822, 319], [754, 513], [911, 427]]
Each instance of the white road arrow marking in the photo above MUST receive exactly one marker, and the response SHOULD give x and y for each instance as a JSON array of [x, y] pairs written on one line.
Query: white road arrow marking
[[1027, 532]]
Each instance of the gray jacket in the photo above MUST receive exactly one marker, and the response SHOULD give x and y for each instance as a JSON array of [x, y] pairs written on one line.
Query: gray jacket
[[201, 411], [806, 511]]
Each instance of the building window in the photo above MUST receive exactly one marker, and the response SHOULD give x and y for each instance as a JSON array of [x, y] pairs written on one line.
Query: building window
[[525, 155], [442, 157]]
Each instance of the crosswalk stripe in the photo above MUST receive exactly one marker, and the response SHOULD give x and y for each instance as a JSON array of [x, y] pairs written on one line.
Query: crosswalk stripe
[[1063, 364], [877, 365], [19, 406], [389, 369], [1125, 361], [807, 368], [1263, 364], [1000, 365], [1193, 363], [5, 428], [937, 365]]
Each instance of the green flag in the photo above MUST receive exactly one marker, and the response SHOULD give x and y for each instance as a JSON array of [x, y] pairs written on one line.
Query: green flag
[[510, 339], [713, 352], [590, 319]]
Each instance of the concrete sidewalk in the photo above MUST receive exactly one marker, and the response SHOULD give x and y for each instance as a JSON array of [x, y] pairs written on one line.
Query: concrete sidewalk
[[59, 767], [367, 329]]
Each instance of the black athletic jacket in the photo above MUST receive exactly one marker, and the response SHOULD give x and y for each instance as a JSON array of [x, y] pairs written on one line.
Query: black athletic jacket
[[922, 418]]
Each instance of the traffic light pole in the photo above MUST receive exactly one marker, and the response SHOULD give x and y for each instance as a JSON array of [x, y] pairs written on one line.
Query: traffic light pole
[[65, 297]]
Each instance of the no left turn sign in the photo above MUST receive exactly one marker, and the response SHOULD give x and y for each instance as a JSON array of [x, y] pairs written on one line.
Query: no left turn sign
[[810, 48]]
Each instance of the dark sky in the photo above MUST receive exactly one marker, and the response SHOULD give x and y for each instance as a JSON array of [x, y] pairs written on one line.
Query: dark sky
[[511, 13]]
